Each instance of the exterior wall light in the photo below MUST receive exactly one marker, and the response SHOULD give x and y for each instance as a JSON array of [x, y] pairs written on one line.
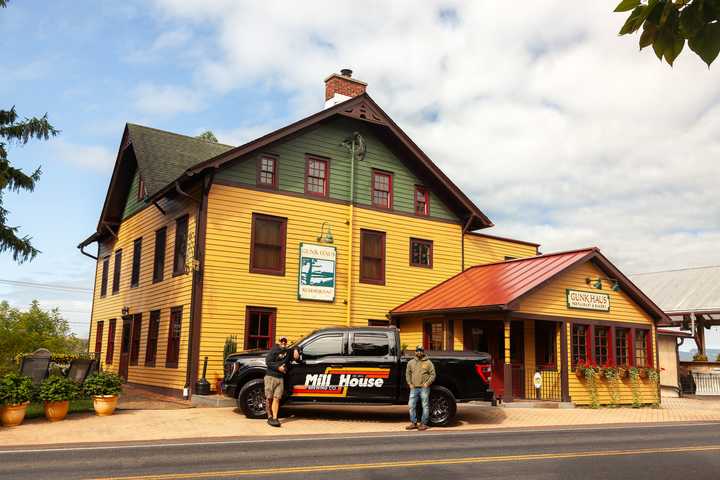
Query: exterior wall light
[[597, 283], [325, 236]]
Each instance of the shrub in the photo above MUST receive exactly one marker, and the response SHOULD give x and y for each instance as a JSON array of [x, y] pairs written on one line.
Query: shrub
[[15, 389], [57, 389], [105, 383], [700, 357]]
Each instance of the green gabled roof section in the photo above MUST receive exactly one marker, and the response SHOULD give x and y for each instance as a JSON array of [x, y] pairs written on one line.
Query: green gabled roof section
[[163, 156]]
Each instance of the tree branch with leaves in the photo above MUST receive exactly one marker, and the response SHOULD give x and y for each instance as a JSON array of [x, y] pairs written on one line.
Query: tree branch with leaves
[[668, 25]]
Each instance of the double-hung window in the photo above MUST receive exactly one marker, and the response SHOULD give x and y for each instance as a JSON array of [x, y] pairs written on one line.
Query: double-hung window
[[159, 259], [104, 276], [422, 201], [173, 347], [135, 341], [421, 252], [382, 189], [372, 257], [602, 345], [110, 352], [135, 274], [99, 338], [267, 172], [622, 352], [152, 338], [580, 341], [181, 241], [259, 328], [116, 272], [643, 357], [317, 172], [267, 249]]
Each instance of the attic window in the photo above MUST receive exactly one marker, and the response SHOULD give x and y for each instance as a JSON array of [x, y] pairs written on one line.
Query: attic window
[[141, 191], [422, 201], [267, 172]]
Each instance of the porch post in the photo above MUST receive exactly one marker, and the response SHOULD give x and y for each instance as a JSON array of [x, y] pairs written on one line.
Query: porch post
[[564, 369], [507, 367]]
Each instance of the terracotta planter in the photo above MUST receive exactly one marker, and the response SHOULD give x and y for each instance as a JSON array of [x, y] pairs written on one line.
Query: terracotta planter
[[104, 404], [56, 411], [13, 415]]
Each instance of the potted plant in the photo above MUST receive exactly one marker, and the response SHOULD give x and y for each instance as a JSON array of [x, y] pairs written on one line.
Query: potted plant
[[56, 392], [104, 388], [16, 391], [580, 369]]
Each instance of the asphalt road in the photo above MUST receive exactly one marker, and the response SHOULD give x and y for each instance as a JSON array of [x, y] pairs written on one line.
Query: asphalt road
[[668, 451]]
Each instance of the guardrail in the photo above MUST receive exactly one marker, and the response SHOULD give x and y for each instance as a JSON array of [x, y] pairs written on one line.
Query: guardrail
[[706, 383]]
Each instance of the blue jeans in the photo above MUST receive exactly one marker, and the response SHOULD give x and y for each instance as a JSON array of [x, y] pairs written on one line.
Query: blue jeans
[[424, 393]]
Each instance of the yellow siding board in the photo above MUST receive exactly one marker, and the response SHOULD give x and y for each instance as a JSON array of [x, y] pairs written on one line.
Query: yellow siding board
[[480, 250]]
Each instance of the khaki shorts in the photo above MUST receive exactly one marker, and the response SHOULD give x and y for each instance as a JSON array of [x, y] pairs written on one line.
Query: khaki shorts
[[273, 387]]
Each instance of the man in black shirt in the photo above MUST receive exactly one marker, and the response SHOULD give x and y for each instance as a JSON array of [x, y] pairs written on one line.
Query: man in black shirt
[[277, 362]]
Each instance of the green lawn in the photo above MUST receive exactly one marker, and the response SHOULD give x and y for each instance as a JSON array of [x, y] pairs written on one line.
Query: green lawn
[[36, 410]]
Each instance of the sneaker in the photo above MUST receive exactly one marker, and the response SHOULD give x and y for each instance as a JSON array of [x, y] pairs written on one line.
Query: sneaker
[[422, 428], [270, 421], [275, 422], [412, 426]]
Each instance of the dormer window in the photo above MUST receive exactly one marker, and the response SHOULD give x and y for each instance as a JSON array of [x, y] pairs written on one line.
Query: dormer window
[[422, 201], [141, 191], [267, 172]]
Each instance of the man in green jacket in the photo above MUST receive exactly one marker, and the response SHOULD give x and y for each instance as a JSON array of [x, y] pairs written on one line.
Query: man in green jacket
[[420, 374]]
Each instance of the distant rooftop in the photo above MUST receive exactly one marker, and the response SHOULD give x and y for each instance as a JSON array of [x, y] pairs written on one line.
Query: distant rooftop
[[685, 290]]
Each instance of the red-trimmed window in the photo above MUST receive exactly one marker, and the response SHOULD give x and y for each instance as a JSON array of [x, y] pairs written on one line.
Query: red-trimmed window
[[422, 201], [135, 341], [580, 344], [267, 172], [642, 350], [421, 253], [173, 347], [317, 172], [110, 352], [267, 249], [98, 338], [622, 344], [116, 272], [152, 338], [434, 335], [372, 257], [104, 277], [602, 345], [382, 189], [259, 328]]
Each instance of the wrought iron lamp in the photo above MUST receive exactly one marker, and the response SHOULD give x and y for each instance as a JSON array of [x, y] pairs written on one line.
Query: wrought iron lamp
[[325, 236], [597, 283]]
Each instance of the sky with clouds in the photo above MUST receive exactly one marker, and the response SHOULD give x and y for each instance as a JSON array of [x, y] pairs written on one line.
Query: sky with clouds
[[559, 130]]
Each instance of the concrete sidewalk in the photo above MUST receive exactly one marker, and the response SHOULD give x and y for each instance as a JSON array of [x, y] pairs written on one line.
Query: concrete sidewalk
[[138, 425]]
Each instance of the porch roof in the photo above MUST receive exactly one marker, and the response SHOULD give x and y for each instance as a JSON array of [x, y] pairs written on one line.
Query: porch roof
[[497, 286]]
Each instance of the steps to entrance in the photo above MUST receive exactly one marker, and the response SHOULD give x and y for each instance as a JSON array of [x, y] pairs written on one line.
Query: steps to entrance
[[212, 401]]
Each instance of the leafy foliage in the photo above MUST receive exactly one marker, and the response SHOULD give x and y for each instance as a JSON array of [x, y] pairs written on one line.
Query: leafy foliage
[[701, 357], [634, 373], [15, 389], [230, 346], [668, 24], [208, 136], [105, 383], [26, 331], [57, 389]]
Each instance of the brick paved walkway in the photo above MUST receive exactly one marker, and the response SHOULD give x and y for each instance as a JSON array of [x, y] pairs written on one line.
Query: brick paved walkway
[[132, 425]]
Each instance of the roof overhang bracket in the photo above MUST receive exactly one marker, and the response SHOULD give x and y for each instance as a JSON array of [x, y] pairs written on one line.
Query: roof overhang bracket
[[110, 230], [157, 205], [181, 192]]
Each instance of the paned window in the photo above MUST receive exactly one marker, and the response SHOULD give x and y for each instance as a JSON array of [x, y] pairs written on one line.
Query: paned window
[[259, 328], [152, 338], [104, 278], [434, 335], [381, 189], [110, 352], [181, 240], [421, 252], [267, 172], [372, 257], [173, 347], [116, 272], [267, 251], [621, 347], [422, 201], [316, 176], [99, 338], [642, 348], [580, 340], [159, 259], [135, 274], [135, 342], [602, 345]]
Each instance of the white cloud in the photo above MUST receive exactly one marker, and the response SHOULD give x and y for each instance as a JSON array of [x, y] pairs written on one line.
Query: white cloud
[[559, 129], [87, 156], [166, 99]]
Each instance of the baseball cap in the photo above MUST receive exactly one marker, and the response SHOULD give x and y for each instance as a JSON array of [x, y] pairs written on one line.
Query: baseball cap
[[419, 348]]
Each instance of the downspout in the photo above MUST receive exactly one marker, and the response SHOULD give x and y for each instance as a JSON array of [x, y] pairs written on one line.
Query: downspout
[[462, 242], [351, 213], [82, 250]]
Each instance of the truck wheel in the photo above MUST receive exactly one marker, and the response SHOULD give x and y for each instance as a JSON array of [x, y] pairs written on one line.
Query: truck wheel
[[443, 406], [251, 399]]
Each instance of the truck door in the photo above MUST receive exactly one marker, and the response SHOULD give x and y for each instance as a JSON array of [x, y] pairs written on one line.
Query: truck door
[[370, 365], [312, 380]]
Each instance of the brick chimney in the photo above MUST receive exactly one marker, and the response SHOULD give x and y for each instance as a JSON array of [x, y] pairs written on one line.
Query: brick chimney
[[341, 87]]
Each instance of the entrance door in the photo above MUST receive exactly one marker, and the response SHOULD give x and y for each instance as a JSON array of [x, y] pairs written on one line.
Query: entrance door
[[125, 348], [486, 336]]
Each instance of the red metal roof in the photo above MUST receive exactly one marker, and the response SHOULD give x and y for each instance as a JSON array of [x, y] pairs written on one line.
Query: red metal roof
[[493, 285]]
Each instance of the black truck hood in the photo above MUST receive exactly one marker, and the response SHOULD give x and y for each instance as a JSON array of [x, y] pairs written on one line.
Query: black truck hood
[[255, 354]]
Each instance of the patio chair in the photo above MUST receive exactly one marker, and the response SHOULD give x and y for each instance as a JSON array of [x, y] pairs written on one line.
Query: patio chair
[[36, 365], [80, 369]]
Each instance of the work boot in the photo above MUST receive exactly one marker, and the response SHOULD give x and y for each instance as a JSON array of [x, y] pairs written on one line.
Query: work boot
[[412, 426], [275, 422], [422, 427]]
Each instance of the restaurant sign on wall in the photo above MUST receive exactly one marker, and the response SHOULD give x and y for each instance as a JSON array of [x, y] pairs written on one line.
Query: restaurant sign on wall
[[588, 300], [316, 278]]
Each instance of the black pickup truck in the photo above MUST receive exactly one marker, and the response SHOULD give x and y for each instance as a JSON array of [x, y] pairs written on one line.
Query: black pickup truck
[[359, 366]]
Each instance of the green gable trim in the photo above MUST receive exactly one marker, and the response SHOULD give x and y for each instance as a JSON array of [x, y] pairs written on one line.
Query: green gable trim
[[325, 140], [132, 204]]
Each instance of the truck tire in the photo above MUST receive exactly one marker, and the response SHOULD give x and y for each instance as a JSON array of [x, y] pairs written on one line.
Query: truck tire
[[251, 399], [443, 406]]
